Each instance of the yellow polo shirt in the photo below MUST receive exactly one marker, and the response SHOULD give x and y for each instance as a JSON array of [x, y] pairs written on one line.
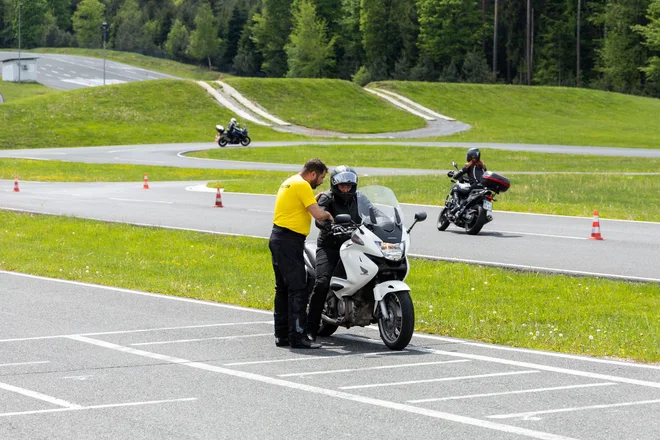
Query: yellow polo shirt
[[293, 198]]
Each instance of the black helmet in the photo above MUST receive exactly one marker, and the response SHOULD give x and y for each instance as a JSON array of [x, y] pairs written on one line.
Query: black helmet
[[343, 174], [473, 153]]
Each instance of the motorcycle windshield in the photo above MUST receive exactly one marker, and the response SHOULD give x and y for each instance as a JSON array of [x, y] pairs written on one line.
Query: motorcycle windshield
[[381, 213]]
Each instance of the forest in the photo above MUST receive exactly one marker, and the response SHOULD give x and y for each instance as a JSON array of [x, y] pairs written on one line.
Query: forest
[[609, 45]]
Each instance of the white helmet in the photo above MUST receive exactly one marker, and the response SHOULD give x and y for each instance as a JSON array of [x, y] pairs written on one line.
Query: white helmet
[[233, 120]]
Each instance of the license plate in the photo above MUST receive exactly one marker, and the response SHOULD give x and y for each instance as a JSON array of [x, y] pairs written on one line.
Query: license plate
[[488, 206]]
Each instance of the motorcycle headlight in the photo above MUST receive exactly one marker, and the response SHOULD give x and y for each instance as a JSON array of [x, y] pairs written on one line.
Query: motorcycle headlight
[[392, 251]]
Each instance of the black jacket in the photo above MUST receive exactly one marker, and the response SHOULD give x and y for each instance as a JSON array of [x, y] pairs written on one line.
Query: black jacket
[[472, 171], [335, 206]]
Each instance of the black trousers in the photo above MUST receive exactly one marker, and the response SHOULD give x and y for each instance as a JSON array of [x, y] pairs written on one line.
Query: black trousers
[[326, 262], [291, 291]]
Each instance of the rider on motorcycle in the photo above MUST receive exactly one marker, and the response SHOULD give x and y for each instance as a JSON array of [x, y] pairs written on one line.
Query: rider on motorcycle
[[231, 129], [474, 169], [341, 198]]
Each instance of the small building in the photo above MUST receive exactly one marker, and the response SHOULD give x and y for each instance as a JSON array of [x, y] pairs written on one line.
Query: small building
[[28, 69]]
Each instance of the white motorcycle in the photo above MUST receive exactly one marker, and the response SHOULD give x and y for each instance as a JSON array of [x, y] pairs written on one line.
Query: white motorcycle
[[368, 285]]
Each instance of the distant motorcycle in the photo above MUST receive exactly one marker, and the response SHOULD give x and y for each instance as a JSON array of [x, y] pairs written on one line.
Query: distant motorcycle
[[240, 136], [477, 209]]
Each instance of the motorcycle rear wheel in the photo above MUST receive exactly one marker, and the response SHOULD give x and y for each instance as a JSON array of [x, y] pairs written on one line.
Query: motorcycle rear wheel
[[443, 221], [478, 221], [396, 329], [246, 141]]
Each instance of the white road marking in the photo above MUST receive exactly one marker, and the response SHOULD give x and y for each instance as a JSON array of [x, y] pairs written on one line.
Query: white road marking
[[140, 201], [216, 338], [148, 162], [84, 377], [521, 364], [53, 71], [531, 414], [309, 358], [110, 405], [39, 396], [120, 332], [440, 379], [261, 210], [24, 363], [380, 367], [328, 392], [506, 393]]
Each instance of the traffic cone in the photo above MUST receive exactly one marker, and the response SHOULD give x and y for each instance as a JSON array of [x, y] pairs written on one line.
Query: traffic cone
[[218, 199], [16, 184], [595, 228], [146, 182]]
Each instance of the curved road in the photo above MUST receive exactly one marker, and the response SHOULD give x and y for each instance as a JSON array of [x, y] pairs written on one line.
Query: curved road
[[527, 241]]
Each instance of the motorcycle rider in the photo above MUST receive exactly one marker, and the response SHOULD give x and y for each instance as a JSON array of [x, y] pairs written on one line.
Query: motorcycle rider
[[231, 129], [474, 169], [341, 198]]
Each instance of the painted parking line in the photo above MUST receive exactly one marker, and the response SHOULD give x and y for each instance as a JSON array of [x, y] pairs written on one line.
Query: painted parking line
[[438, 379], [533, 415], [84, 408], [532, 365], [507, 393], [39, 396], [327, 392], [24, 363], [380, 367], [311, 358], [215, 338]]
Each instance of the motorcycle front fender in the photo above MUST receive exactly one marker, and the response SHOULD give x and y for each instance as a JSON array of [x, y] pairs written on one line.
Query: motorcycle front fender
[[382, 289]]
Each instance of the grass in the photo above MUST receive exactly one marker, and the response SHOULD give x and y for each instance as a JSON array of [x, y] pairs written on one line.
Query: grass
[[547, 115], [13, 91], [389, 156], [145, 62], [561, 194], [572, 315], [149, 112], [328, 104]]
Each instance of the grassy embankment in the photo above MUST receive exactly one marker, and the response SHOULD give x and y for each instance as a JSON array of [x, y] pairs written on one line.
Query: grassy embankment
[[12, 91], [148, 112], [142, 61], [544, 115], [558, 313], [327, 104]]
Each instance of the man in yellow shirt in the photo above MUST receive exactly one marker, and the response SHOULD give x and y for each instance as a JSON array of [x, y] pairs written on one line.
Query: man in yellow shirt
[[295, 206]]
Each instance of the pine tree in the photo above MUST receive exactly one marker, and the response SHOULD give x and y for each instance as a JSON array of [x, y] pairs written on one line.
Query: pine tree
[[309, 54]]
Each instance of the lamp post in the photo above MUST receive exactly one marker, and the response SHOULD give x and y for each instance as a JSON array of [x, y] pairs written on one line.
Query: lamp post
[[19, 41], [104, 28]]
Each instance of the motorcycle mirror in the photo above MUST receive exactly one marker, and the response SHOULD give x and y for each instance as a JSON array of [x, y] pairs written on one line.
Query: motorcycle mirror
[[454, 164], [343, 219], [420, 216]]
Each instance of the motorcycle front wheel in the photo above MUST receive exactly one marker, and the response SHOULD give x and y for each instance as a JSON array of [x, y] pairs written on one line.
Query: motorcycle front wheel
[[222, 142], [396, 329], [246, 141], [473, 227], [443, 221]]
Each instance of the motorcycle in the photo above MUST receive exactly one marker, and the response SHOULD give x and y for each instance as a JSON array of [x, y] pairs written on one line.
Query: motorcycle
[[368, 285], [477, 209], [240, 136]]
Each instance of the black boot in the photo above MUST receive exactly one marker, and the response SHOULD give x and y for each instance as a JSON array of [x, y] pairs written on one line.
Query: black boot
[[303, 341]]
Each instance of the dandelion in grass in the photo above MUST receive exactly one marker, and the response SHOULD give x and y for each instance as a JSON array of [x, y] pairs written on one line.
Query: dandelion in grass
[[591, 338]]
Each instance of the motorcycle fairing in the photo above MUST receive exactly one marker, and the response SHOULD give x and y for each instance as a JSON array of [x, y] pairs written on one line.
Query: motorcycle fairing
[[382, 289]]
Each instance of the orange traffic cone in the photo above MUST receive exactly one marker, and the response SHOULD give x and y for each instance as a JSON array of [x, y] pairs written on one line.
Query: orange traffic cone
[[16, 184], [595, 228], [146, 182], [218, 199]]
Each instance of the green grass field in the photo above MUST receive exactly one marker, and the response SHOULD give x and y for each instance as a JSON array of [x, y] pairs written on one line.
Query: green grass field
[[328, 104], [149, 112], [587, 316], [13, 91], [544, 115]]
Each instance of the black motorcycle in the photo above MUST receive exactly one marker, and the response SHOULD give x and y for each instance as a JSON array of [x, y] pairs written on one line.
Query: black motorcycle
[[477, 202], [240, 136]]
